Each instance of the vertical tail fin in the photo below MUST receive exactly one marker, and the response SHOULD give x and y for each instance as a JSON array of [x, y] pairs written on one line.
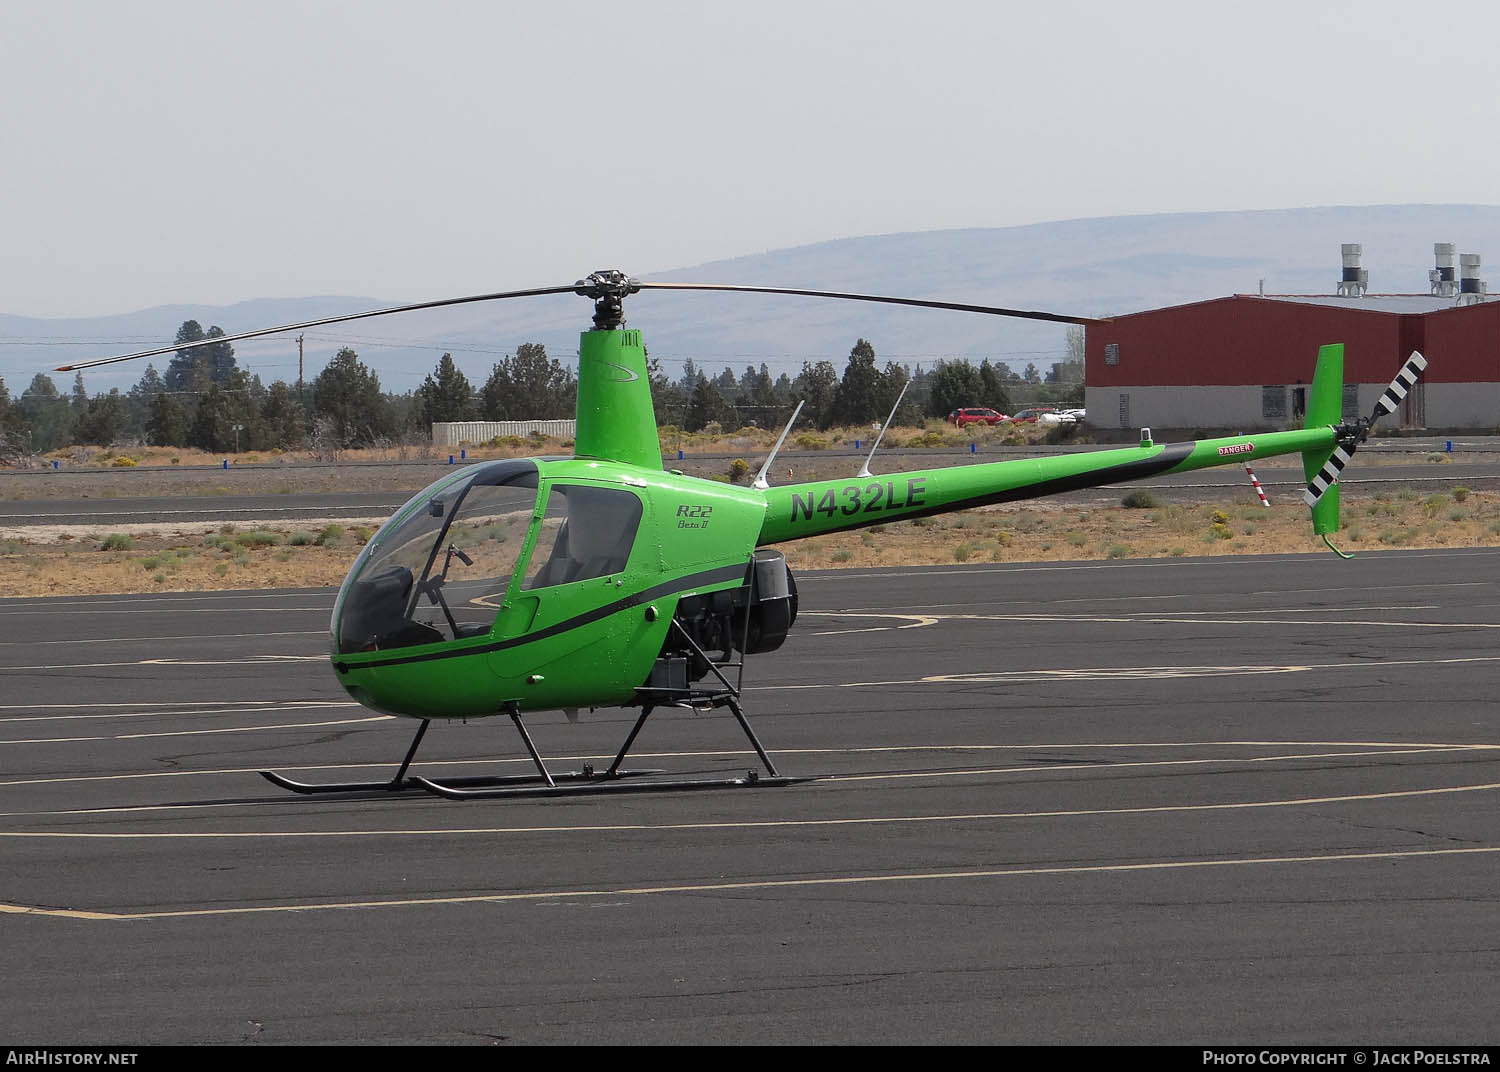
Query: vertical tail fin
[[1325, 408]]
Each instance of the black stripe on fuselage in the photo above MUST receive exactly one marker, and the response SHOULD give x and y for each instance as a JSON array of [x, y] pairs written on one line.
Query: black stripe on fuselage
[[667, 588]]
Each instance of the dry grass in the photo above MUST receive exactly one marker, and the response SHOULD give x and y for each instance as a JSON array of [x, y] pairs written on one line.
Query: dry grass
[[207, 558]]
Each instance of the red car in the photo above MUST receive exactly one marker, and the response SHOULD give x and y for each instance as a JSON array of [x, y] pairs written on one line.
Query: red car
[[975, 415]]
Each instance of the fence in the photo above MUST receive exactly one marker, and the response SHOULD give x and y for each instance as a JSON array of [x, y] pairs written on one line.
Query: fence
[[451, 434]]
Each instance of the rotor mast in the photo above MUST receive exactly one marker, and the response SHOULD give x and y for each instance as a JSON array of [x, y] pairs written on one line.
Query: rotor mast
[[616, 416]]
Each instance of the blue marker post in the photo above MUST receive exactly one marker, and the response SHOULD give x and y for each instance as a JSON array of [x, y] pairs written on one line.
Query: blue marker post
[[450, 459], [973, 448]]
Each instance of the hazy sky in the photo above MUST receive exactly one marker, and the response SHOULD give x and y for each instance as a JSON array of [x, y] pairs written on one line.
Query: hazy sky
[[165, 152]]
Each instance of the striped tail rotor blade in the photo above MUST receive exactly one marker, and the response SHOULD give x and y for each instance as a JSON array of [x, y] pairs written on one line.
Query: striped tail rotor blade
[[1405, 380], [1327, 475]]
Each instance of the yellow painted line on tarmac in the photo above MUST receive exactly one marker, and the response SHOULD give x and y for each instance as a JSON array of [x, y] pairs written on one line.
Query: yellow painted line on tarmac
[[1218, 761], [1212, 619], [756, 824], [248, 707], [1374, 748], [253, 660], [196, 733], [750, 885]]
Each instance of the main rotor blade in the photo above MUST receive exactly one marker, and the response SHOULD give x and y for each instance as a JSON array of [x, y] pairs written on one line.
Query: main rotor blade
[[1027, 314], [571, 288], [1405, 380]]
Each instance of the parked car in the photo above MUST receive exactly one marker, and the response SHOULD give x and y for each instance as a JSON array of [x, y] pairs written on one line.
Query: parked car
[[1077, 416], [1037, 415], [975, 415]]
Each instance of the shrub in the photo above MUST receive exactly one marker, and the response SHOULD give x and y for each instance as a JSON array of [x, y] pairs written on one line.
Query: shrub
[[123, 462], [330, 536], [117, 541], [1119, 550], [1140, 499], [1460, 494], [738, 470], [843, 556]]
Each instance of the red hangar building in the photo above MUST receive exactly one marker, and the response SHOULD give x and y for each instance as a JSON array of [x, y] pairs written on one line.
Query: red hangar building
[[1245, 362]]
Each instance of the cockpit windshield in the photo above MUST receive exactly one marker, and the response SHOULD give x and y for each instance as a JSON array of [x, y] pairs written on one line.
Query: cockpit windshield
[[439, 569]]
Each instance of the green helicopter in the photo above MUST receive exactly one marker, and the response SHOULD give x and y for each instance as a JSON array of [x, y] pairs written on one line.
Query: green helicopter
[[603, 580]]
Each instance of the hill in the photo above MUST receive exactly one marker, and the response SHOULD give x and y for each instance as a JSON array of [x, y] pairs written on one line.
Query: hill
[[1094, 267]]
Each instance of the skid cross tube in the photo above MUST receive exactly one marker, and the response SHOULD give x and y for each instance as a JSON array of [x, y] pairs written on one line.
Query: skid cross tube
[[729, 697], [515, 716]]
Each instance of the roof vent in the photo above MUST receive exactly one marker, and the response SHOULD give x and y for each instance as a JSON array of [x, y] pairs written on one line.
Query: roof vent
[[1443, 278], [1355, 280], [1471, 289]]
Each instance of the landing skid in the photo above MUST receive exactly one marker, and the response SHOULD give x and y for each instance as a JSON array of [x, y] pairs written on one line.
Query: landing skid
[[465, 786], [397, 783], [583, 782]]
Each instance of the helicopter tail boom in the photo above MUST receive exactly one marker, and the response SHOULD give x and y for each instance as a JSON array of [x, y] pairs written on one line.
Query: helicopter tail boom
[[797, 511]]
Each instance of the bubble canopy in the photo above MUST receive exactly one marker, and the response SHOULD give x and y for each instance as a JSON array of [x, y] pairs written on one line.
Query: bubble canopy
[[440, 569]]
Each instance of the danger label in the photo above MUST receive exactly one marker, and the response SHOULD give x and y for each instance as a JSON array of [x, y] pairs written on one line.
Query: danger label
[[1236, 448]]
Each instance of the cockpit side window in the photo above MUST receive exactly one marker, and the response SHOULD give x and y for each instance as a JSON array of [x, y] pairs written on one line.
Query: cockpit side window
[[589, 531]]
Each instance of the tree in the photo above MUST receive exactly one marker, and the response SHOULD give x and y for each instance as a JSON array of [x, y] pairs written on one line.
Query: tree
[[140, 397], [726, 384], [166, 426], [213, 425], [448, 397], [529, 386], [215, 360], [857, 398], [11, 426], [104, 420], [348, 393], [815, 387], [955, 384], [708, 405], [668, 399], [219, 358], [47, 413], [184, 362], [283, 423], [893, 382], [993, 392], [759, 399]]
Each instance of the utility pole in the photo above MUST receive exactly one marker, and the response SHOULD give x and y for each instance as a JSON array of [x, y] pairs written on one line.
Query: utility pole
[[299, 367]]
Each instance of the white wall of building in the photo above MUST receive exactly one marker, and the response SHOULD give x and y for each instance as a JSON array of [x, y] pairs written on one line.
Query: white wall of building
[[453, 433]]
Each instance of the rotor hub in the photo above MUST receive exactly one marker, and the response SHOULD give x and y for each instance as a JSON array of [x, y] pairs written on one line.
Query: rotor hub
[[609, 288]]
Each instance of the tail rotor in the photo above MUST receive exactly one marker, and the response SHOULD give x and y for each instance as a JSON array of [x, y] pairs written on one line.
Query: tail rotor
[[1390, 399]]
